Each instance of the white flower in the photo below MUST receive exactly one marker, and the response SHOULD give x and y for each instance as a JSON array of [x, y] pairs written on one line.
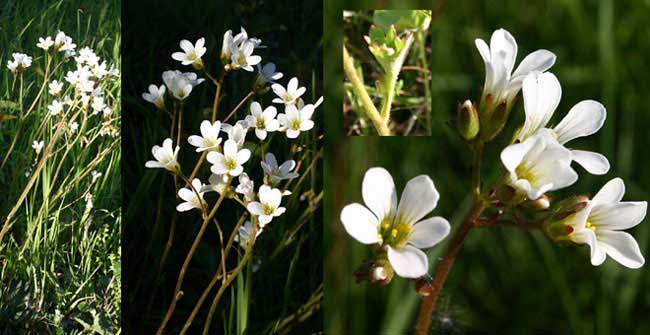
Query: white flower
[[21, 61], [266, 74], [89, 200], [246, 187], [165, 157], [500, 82], [156, 96], [231, 45], [244, 234], [45, 43], [55, 107], [192, 200], [262, 121], [209, 139], [191, 53], [293, 121], [38, 146], [277, 173], [243, 58], [73, 126], [237, 132], [218, 183], [98, 104], [96, 175], [538, 165], [64, 43], [542, 93], [269, 205], [87, 56], [107, 111], [601, 222], [400, 229], [230, 161], [180, 84], [289, 95], [55, 87]]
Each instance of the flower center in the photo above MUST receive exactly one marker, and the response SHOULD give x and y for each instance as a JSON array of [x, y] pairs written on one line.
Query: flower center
[[525, 172], [288, 98], [394, 233], [588, 225], [230, 163], [295, 124], [267, 209], [260, 123], [241, 59]]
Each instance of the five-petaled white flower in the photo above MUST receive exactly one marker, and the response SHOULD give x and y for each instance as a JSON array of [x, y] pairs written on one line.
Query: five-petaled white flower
[[55, 87], [397, 228], [262, 121], [601, 222], [268, 205], [237, 132], [542, 94], [55, 107], [64, 43], [277, 173], [295, 120], [209, 139], [537, 165], [500, 82], [244, 234], [165, 157], [230, 161], [189, 195], [38, 146], [45, 43], [289, 95], [243, 58], [156, 96], [246, 187], [180, 84], [191, 53], [21, 61]]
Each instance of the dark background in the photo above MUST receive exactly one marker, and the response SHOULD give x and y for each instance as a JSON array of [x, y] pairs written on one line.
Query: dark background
[[505, 280], [152, 30]]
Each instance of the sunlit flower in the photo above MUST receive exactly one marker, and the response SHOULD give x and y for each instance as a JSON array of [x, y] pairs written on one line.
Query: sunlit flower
[[209, 139], [501, 83], [165, 157], [400, 229], [192, 200], [278, 173], [88, 197], [601, 223], [542, 92], [243, 58], [537, 165], [64, 43], [217, 183], [180, 84], [293, 120], [87, 56], [246, 187], [289, 95], [237, 132], [38, 146], [98, 104], [96, 175], [262, 121], [55, 107], [45, 43], [244, 234], [191, 53], [73, 126], [20, 62], [156, 96], [268, 205], [230, 161], [55, 87]]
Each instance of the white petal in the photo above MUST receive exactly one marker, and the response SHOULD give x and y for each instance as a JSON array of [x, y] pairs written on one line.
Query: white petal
[[542, 93], [514, 154], [483, 49], [360, 223], [538, 60], [611, 192], [419, 198], [429, 232], [230, 148], [379, 193], [184, 207], [408, 262], [585, 118], [502, 42], [243, 155], [618, 216], [593, 162], [186, 194], [255, 208], [622, 247]]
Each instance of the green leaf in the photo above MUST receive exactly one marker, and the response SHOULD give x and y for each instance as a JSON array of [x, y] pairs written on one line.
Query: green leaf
[[402, 19]]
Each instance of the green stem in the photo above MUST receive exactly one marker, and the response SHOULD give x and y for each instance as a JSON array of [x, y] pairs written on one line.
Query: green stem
[[427, 79]]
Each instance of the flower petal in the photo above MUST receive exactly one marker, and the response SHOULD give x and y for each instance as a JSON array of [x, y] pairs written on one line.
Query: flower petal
[[503, 43], [593, 162], [360, 223], [184, 207], [379, 193], [538, 60], [585, 118], [408, 262], [622, 247], [618, 216], [429, 232], [419, 198], [611, 192], [542, 93]]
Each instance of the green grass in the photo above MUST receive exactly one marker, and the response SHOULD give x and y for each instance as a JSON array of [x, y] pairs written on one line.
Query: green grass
[[59, 260], [505, 280]]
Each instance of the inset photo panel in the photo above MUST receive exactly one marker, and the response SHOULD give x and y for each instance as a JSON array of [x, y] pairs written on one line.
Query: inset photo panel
[[387, 67], [222, 167]]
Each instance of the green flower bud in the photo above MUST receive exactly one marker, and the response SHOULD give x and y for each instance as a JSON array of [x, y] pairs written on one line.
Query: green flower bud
[[376, 272], [468, 121]]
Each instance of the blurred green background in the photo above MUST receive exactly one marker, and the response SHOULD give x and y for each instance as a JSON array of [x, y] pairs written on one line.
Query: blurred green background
[[505, 281], [290, 265]]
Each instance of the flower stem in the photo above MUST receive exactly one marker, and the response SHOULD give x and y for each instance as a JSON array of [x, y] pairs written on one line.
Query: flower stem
[[421, 37], [217, 95], [362, 93], [241, 103]]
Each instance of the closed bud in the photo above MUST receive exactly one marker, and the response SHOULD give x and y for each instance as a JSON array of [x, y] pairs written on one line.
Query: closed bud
[[570, 206], [560, 224], [377, 272], [468, 122], [423, 287], [539, 204]]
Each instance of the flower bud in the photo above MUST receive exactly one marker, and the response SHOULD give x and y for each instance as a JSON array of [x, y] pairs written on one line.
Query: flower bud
[[539, 204], [377, 272], [422, 287], [559, 226], [494, 121], [570, 206], [468, 122]]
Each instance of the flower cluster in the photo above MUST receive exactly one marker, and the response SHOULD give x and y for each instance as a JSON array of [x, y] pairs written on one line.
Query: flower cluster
[[224, 145]]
